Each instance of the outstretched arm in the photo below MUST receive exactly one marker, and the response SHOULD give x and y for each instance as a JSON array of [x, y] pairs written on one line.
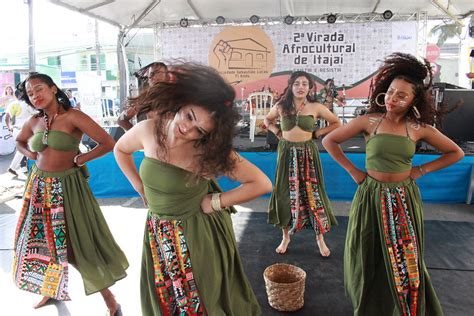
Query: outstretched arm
[[253, 183]]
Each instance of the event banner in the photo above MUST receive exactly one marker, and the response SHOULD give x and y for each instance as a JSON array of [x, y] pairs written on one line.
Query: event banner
[[347, 52]]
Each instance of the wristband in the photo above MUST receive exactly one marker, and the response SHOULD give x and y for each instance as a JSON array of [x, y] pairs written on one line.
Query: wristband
[[75, 160], [421, 170], [216, 202]]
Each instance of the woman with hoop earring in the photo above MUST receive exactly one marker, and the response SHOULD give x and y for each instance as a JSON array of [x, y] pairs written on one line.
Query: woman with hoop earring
[[384, 269]]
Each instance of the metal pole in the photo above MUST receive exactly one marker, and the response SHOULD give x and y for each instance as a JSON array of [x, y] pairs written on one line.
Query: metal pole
[[97, 48], [31, 37]]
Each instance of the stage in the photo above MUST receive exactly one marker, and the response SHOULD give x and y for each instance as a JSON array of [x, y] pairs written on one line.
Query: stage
[[449, 185]]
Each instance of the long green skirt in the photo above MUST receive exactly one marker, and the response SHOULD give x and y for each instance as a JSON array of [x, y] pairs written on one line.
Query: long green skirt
[[60, 223], [299, 199], [384, 270]]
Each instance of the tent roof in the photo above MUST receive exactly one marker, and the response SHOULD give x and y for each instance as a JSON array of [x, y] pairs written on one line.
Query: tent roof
[[148, 13]]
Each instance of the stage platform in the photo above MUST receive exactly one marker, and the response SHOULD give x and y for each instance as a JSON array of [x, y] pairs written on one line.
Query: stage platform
[[449, 235]]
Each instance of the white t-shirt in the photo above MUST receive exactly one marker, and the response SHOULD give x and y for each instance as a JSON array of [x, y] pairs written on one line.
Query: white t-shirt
[[20, 111]]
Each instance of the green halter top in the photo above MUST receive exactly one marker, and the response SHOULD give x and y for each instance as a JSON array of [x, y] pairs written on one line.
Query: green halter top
[[305, 122], [388, 152], [57, 140]]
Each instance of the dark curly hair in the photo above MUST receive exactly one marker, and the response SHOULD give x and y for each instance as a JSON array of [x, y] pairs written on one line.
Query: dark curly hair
[[142, 73], [286, 98], [418, 73], [61, 96], [201, 86]]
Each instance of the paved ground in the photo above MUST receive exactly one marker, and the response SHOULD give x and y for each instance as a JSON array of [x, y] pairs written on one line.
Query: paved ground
[[126, 218]]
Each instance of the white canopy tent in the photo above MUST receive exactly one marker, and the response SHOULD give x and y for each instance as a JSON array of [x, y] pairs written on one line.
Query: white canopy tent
[[149, 13], [130, 14]]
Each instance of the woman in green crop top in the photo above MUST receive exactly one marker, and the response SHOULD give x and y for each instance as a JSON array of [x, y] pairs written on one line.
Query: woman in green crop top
[[384, 270], [54, 228], [190, 262], [299, 199]]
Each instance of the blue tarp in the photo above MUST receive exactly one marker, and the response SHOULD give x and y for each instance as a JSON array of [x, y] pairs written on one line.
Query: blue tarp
[[448, 185]]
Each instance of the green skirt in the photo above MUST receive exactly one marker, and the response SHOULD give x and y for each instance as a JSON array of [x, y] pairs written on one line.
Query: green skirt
[[60, 223], [194, 264], [299, 199], [384, 270]]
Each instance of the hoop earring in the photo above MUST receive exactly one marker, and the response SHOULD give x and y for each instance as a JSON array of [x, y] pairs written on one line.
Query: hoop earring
[[416, 112], [377, 99]]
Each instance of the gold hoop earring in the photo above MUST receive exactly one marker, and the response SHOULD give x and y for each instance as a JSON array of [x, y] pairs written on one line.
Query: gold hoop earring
[[377, 99], [416, 112]]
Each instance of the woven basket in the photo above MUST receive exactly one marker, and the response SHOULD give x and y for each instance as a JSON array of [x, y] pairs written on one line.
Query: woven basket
[[285, 286]]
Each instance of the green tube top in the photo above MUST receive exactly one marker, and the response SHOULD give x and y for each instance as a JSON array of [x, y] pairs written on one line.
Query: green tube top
[[389, 153], [57, 140], [172, 192], [305, 122]]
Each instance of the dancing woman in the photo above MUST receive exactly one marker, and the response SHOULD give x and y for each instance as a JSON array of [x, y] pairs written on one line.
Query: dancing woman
[[60, 222], [190, 263], [299, 199], [384, 270]]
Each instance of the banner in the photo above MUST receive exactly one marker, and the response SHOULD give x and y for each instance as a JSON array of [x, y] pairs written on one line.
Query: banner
[[347, 52]]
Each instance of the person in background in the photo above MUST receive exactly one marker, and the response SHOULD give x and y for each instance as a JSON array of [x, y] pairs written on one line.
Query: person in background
[[299, 198], [328, 95], [60, 222], [190, 263], [18, 112], [153, 73], [7, 97], [72, 99], [384, 268]]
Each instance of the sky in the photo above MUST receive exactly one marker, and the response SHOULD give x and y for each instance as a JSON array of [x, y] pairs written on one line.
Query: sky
[[54, 27]]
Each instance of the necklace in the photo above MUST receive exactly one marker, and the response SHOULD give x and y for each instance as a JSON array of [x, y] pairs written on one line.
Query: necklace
[[48, 124], [300, 108]]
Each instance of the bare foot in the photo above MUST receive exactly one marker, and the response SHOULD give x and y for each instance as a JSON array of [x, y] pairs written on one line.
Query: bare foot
[[42, 302], [323, 249], [281, 249], [114, 311], [113, 308]]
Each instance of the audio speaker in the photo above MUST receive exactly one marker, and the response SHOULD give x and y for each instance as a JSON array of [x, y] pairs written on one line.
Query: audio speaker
[[457, 124]]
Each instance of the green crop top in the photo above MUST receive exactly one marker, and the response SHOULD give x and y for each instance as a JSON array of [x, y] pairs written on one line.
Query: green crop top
[[388, 152], [305, 122], [57, 140]]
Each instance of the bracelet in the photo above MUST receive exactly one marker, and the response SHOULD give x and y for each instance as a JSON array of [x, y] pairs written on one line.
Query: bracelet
[[216, 202], [75, 160], [421, 170]]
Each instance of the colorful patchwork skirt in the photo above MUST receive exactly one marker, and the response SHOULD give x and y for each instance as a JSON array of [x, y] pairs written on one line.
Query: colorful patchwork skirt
[[60, 223], [192, 267], [299, 199], [384, 270]]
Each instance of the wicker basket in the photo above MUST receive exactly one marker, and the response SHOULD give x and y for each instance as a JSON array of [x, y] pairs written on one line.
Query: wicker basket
[[285, 286]]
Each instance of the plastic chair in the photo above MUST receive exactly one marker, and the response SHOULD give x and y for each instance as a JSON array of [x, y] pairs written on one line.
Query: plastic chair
[[260, 104]]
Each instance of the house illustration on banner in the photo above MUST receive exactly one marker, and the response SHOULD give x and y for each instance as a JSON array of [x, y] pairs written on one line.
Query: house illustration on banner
[[244, 53]]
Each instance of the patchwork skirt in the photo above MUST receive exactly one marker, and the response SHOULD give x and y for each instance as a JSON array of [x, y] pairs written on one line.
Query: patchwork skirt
[[299, 199], [384, 270], [60, 223], [192, 267]]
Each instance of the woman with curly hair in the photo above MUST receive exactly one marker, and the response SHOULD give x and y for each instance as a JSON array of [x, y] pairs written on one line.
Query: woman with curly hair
[[299, 199], [190, 263], [61, 222], [384, 269]]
